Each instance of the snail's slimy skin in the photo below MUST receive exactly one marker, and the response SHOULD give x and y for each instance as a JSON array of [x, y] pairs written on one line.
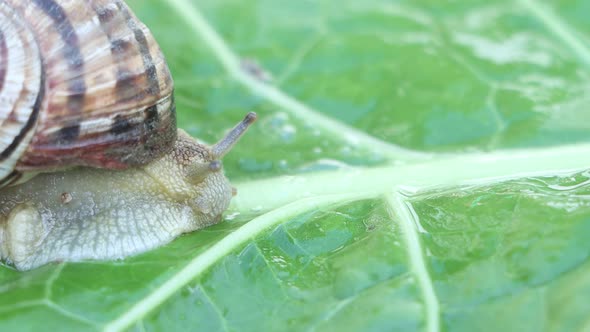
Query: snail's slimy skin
[[91, 214]]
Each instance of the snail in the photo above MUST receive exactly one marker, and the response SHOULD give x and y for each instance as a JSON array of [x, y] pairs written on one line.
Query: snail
[[92, 165]]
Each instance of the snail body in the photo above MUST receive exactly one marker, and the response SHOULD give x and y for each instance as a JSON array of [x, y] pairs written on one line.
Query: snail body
[[96, 214], [92, 165]]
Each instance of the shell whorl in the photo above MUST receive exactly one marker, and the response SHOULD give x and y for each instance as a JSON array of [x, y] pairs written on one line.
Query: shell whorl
[[21, 89], [106, 98]]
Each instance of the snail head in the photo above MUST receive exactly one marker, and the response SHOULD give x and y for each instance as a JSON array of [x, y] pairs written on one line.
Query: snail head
[[193, 171]]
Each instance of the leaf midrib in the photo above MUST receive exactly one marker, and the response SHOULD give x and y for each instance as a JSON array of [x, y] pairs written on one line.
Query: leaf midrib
[[460, 170]]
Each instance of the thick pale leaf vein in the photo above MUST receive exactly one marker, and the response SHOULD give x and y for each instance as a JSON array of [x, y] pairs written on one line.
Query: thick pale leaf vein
[[399, 211]]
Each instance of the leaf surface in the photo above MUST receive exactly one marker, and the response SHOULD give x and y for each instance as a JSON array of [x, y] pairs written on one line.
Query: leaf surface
[[417, 165]]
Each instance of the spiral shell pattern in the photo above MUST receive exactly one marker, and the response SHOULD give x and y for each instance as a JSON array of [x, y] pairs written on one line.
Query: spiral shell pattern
[[81, 83]]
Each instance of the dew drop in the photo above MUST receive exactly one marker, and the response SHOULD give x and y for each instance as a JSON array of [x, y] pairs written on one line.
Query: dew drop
[[288, 132], [283, 164], [280, 126]]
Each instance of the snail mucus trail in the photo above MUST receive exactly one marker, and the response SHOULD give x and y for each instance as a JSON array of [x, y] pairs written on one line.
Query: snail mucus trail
[[96, 214]]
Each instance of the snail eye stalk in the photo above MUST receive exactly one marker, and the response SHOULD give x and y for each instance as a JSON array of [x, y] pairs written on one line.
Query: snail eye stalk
[[222, 147]]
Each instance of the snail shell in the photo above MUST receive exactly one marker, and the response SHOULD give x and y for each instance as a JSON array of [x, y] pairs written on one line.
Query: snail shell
[[81, 83]]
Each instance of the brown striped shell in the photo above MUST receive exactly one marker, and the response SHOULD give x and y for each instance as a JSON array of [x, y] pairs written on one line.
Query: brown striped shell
[[81, 83]]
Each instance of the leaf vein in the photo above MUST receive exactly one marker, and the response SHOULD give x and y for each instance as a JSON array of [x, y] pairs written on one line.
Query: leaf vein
[[215, 307], [195, 20], [398, 209], [216, 252], [568, 35], [270, 269]]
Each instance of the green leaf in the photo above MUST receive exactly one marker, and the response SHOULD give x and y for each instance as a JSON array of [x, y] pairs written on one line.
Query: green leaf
[[417, 165]]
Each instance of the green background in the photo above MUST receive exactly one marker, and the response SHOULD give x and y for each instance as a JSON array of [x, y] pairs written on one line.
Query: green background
[[429, 76]]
